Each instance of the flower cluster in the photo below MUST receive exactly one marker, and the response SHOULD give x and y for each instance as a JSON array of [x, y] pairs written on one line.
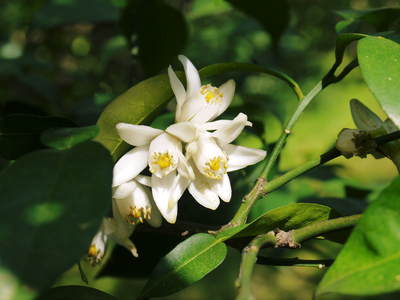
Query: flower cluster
[[194, 153]]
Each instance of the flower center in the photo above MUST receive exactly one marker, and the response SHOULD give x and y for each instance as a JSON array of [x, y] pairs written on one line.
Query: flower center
[[216, 167], [138, 214], [92, 252], [211, 94], [163, 160]]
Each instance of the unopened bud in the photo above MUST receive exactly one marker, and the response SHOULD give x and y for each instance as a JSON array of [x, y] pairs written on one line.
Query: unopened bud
[[356, 142]]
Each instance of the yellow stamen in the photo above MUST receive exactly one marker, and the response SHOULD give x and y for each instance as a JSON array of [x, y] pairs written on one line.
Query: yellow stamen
[[214, 165], [211, 94], [138, 214], [163, 160], [92, 252]]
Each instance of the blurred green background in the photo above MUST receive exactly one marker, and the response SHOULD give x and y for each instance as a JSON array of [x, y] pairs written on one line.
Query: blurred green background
[[70, 58]]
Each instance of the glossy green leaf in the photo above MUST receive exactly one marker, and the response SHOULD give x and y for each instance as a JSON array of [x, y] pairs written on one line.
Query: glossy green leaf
[[369, 263], [187, 263], [20, 134], [379, 60], [140, 103], [64, 138], [75, 292], [272, 15], [52, 204], [159, 30], [287, 217]]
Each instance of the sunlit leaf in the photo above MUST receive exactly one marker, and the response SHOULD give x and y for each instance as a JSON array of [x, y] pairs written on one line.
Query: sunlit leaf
[[52, 204], [379, 60], [75, 292], [64, 138], [188, 262], [369, 263], [20, 134], [287, 217]]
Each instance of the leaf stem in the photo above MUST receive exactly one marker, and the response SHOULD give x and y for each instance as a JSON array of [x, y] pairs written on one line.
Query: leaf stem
[[249, 259], [316, 229]]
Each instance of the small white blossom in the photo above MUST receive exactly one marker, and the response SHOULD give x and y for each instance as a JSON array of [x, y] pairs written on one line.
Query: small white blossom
[[199, 103], [160, 151]]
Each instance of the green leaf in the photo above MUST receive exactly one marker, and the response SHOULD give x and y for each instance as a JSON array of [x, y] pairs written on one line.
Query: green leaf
[[363, 117], [272, 15], [20, 134], [64, 138], [53, 202], [141, 102], [369, 263], [75, 292], [287, 217], [379, 60], [160, 32], [187, 263]]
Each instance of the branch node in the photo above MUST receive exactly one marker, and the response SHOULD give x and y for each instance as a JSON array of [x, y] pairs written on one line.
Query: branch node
[[285, 239], [288, 131]]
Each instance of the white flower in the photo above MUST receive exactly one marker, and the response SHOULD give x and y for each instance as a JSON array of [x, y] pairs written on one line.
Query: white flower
[[160, 151], [135, 203], [117, 229], [198, 103], [213, 156], [98, 246]]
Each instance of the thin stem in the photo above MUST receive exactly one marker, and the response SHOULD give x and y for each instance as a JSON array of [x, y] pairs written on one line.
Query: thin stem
[[313, 230], [249, 259], [279, 145], [300, 170]]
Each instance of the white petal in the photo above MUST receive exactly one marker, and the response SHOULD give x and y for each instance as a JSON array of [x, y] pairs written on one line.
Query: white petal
[[192, 76], [209, 158], [215, 124], [164, 154], [184, 168], [202, 193], [208, 112], [124, 190], [223, 188], [177, 87], [143, 197], [130, 165], [181, 184], [185, 131], [163, 192], [240, 157], [227, 90], [137, 135], [145, 180], [228, 132], [192, 106]]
